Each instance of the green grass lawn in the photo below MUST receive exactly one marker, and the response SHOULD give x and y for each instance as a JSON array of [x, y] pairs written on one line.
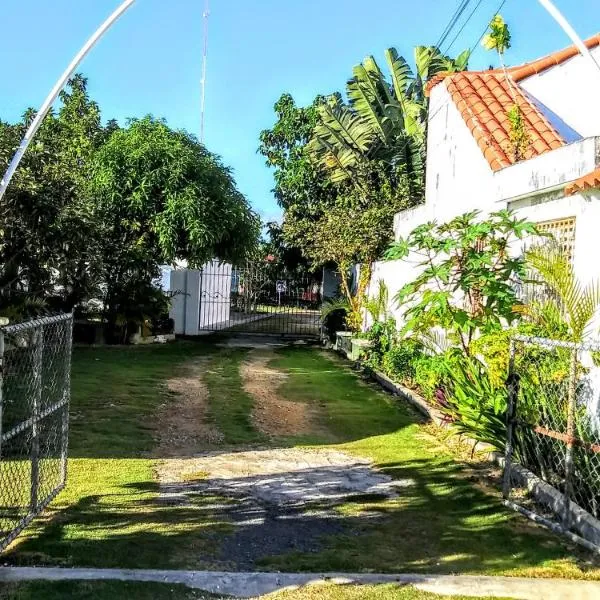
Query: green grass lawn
[[96, 590], [110, 515]]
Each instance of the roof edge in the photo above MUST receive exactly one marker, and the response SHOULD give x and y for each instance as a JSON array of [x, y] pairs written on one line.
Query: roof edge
[[521, 72]]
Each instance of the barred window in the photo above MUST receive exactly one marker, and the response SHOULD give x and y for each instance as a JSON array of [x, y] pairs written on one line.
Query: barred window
[[563, 235], [563, 232]]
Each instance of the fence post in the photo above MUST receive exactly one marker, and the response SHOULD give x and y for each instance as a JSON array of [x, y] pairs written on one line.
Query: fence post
[[1, 385], [64, 443], [571, 406], [512, 384], [38, 346]]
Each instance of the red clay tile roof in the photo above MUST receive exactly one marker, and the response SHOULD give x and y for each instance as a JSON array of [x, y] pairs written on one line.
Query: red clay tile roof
[[556, 58], [484, 99], [589, 181]]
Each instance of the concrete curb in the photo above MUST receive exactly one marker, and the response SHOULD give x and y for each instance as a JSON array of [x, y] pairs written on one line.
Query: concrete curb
[[248, 585], [545, 494]]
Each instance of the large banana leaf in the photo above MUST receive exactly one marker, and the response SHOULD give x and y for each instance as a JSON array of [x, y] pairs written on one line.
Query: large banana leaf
[[382, 120]]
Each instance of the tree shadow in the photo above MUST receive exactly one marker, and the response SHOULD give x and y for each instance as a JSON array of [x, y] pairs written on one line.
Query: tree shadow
[[435, 523]]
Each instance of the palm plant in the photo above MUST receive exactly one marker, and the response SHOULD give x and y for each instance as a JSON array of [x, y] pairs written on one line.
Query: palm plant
[[576, 302], [382, 120], [377, 305]]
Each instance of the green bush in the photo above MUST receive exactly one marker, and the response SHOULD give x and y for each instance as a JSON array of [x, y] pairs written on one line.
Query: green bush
[[476, 406], [431, 373], [383, 336], [399, 361]]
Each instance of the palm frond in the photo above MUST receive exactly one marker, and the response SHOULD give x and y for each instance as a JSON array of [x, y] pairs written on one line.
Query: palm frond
[[578, 302]]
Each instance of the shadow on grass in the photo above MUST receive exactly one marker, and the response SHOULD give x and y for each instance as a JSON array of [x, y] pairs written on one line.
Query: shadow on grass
[[437, 523], [114, 516]]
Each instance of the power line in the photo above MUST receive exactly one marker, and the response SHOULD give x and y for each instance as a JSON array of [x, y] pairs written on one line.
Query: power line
[[462, 6], [471, 15]]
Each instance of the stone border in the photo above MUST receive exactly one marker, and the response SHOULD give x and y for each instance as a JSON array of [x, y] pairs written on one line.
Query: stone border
[[543, 493], [252, 585]]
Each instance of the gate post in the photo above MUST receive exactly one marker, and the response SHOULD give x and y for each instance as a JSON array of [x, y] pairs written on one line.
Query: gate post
[[571, 406], [64, 442], [1, 385], [512, 384], [38, 341]]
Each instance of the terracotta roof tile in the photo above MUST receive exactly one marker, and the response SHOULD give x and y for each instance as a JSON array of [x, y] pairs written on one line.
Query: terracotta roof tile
[[587, 182], [484, 99], [556, 58]]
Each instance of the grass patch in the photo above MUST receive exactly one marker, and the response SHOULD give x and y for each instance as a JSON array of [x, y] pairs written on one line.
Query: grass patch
[[441, 522], [360, 592], [115, 395], [108, 590], [109, 515], [230, 406], [99, 590]]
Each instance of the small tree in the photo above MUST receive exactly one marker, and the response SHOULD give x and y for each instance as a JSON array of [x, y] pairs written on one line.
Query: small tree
[[467, 277], [499, 39]]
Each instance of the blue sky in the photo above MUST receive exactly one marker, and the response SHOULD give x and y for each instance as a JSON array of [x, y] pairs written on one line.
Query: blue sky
[[151, 61]]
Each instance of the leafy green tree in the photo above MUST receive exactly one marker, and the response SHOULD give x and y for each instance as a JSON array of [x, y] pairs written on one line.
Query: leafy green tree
[[161, 196], [467, 276], [302, 189], [47, 248]]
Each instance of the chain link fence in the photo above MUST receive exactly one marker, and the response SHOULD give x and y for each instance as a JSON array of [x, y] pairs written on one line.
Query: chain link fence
[[35, 367], [554, 422]]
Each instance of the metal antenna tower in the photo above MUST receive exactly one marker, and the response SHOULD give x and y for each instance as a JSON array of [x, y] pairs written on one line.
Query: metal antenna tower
[[205, 16]]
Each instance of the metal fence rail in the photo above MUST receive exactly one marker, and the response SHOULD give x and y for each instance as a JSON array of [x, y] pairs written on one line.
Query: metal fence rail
[[554, 420], [259, 298], [35, 367]]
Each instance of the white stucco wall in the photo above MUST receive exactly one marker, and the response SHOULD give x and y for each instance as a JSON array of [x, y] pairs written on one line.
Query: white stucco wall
[[204, 298], [458, 175], [570, 90], [552, 170]]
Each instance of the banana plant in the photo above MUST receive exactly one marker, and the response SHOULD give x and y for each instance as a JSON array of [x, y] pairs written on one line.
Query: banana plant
[[384, 119]]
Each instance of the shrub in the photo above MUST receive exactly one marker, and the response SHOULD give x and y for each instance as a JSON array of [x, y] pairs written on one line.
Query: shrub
[[476, 406], [399, 361], [382, 335], [431, 373]]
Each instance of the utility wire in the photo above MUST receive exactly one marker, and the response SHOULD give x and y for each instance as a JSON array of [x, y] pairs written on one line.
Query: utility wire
[[471, 15], [462, 6]]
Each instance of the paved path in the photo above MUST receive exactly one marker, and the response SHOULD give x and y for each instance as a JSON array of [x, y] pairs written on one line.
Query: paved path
[[278, 500], [280, 476], [248, 585]]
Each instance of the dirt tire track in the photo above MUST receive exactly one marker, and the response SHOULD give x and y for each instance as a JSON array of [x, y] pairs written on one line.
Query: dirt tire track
[[272, 415], [183, 429]]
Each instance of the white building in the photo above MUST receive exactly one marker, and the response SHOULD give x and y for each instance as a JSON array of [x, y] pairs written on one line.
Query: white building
[[470, 164]]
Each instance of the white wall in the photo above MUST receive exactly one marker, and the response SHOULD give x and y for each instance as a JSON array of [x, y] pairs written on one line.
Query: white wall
[[550, 170], [205, 297], [458, 175], [571, 90]]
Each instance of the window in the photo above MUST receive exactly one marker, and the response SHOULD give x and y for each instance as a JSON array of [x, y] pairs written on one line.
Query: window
[[563, 232]]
